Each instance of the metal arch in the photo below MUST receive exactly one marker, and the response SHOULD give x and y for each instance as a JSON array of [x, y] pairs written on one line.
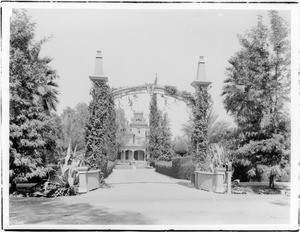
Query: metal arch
[[147, 88]]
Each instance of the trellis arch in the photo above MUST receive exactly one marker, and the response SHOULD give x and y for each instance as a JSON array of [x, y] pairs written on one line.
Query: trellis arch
[[151, 89], [199, 101]]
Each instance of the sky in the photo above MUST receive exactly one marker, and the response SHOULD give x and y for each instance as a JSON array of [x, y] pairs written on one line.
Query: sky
[[139, 44]]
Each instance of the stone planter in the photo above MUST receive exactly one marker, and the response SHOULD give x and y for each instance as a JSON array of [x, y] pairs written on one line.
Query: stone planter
[[193, 178], [209, 181], [88, 180], [220, 169]]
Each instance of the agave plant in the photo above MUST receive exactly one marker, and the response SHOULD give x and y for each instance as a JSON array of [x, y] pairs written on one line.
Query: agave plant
[[69, 173], [63, 184], [217, 155]]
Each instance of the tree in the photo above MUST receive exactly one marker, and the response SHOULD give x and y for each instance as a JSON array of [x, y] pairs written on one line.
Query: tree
[[68, 120], [215, 129], [52, 134], [159, 145], [32, 135], [73, 126], [166, 136], [180, 146], [256, 91], [101, 128], [245, 89], [121, 122], [258, 79], [154, 123]]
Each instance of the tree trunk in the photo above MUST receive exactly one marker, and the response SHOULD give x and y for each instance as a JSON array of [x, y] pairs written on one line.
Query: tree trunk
[[13, 187], [271, 182]]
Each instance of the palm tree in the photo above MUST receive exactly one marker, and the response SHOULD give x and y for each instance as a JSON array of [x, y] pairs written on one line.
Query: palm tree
[[215, 128], [48, 92]]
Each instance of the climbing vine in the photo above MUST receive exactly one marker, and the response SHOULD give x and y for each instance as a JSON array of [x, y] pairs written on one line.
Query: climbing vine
[[101, 129], [183, 95], [200, 102], [200, 113]]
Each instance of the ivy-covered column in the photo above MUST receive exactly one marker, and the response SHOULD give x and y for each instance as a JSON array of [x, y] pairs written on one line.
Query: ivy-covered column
[[101, 128], [200, 113]]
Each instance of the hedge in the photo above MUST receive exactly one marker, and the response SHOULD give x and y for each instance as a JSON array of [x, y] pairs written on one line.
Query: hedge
[[164, 167], [177, 163], [180, 167]]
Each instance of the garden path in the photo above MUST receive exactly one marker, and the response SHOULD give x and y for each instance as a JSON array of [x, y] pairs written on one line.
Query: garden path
[[142, 196]]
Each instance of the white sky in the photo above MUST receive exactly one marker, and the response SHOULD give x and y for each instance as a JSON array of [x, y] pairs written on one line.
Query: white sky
[[136, 44]]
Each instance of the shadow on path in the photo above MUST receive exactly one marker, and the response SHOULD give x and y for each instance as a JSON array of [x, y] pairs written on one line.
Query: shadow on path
[[186, 184], [281, 203], [139, 182], [54, 211]]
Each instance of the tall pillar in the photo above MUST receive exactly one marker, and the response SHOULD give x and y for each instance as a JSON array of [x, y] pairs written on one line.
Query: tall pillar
[[201, 79], [98, 84], [98, 73], [200, 111]]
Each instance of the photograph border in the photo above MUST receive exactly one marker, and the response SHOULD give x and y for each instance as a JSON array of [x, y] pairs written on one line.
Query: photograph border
[[295, 151]]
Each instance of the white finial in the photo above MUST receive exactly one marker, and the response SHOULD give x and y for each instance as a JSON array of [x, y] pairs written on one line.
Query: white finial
[[98, 73], [98, 55], [201, 74]]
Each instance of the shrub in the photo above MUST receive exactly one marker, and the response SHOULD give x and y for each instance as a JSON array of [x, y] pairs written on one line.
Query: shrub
[[109, 168], [177, 162], [181, 147], [151, 162], [182, 167], [241, 169], [285, 175], [164, 167], [262, 173], [186, 170]]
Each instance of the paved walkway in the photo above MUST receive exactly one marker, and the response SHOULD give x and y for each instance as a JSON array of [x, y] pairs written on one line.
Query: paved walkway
[[143, 196]]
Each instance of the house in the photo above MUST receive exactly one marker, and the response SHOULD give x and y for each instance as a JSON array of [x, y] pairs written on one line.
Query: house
[[137, 136]]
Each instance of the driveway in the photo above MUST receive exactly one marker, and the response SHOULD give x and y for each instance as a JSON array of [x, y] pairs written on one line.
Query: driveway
[[144, 197]]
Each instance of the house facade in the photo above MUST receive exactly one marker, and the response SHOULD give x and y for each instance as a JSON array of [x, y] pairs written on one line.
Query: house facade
[[137, 136]]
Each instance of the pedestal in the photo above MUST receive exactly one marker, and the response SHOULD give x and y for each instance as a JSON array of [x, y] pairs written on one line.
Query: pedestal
[[229, 174], [82, 171]]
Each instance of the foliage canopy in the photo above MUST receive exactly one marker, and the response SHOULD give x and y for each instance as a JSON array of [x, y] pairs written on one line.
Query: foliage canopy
[[33, 95]]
